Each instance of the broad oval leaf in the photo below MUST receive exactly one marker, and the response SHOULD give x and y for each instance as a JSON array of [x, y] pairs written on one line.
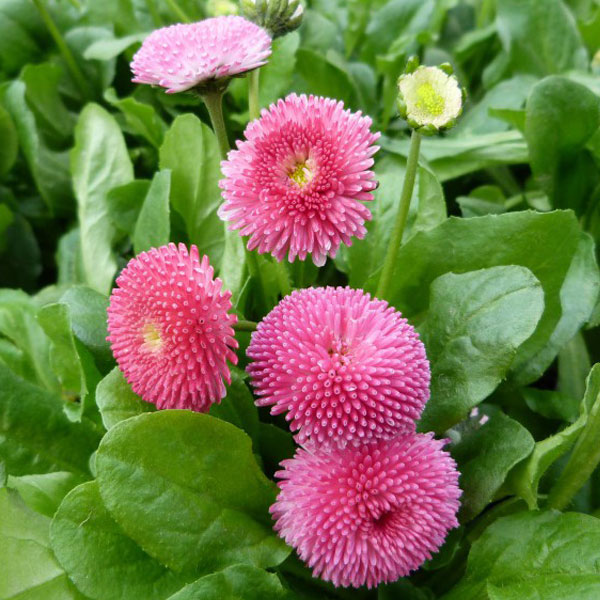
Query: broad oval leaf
[[35, 434], [29, 567], [545, 243], [533, 555], [475, 324], [239, 582], [185, 486], [99, 162], [103, 562]]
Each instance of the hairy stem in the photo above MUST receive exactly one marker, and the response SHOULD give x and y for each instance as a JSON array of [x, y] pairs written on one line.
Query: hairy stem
[[253, 87], [412, 163], [242, 325], [214, 105]]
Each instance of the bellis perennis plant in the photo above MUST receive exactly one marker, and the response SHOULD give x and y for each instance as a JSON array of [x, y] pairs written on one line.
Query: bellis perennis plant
[[309, 333]]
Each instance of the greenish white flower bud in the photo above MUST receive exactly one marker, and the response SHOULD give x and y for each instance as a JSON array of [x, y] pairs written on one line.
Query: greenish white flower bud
[[278, 17], [429, 98]]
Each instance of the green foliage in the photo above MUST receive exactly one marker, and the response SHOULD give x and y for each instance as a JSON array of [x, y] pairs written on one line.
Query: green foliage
[[534, 555], [195, 501], [475, 323], [103, 497]]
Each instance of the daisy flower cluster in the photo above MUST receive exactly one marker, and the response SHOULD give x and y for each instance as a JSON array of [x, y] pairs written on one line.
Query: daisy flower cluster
[[365, 499]]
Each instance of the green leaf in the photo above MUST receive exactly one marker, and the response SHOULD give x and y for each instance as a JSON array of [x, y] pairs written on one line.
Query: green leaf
[[68, 258], [42, 82], [49, 169], [526, 478], [239, 582], [551, 404], [125, 203], [276, 444], [105, 49], [561, 117], [117, 401], [475, 324], [99, 162], [509, 94], [10, 143], [534, 555], [394, 21], [539, 37], [550, 245], [190, 150], [573, 367], [98, 73], [64, 358], [152, 228], [29, 568], [18, 323], [317, 75], [485, 455], [187, 489], [99, 557], [238, 407], [276, 75], [88, 321], [142, 118], [35, 434], [451, 157], [43, 493]]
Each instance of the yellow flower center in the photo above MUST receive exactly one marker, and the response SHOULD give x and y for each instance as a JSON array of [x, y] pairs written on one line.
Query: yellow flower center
[[429, 100], [151, 335], [301, 175]]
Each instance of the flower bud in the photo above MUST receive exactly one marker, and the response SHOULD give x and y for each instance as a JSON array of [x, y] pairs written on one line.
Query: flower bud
[[278, 17], [429, 98]]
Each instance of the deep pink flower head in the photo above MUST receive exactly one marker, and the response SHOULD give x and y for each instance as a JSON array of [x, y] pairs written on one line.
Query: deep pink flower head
[[180, 57], [345, 368], [368, 514], [296, 184], [169, 328]]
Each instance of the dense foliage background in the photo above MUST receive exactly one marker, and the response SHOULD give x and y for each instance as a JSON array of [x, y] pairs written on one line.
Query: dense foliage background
[[498, 272]]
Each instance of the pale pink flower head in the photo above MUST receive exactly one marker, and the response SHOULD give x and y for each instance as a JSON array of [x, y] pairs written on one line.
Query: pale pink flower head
[[185, 56], [344, 367], [297, 183], [368, 514], [170, 330]]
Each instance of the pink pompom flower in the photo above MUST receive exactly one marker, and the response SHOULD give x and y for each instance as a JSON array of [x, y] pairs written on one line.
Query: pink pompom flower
[[184, 56], [368, 514], [170, 330], [344, 366], [297, 183]]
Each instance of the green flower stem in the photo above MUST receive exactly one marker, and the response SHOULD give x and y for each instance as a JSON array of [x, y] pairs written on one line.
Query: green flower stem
[[582, 463], [405, 197], [253, 101], [242, 325], [214, 105], [67, 55], [178, 11]]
